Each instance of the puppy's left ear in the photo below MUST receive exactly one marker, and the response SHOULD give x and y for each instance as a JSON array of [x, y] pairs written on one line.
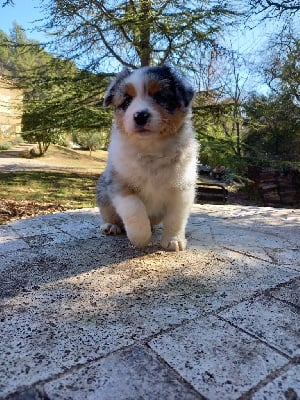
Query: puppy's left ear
[[111, 91]]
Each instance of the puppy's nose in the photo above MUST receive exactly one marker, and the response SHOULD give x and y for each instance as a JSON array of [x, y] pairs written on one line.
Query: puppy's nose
[[141, 117]]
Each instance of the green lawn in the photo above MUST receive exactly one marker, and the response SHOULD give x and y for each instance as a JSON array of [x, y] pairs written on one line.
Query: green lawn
[[67, 189]]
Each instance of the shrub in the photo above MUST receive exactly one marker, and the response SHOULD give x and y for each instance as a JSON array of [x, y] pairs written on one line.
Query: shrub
[[5, 145]]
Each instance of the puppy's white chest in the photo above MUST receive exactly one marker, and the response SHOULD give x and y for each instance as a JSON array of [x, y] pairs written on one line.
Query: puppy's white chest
[[151, 182], [154, 199]]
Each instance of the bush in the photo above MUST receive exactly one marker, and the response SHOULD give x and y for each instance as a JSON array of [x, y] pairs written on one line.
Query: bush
[[91, 140], [5, 145]]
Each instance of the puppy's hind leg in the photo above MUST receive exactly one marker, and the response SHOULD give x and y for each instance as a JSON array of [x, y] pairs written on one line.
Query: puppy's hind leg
[[114, 226], [112, 223]]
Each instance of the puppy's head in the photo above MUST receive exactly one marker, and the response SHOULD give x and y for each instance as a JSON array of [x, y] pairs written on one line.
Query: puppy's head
[[150, 101]]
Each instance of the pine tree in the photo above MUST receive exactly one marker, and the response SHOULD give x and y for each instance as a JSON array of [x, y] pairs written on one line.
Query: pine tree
[[103, 34], [58, 97]]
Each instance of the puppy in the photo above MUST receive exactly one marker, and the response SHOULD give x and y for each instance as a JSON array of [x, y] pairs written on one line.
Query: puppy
[[151, 168]]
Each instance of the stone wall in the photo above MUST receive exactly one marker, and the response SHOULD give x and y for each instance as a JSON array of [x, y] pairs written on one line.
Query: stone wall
[[277, 188]]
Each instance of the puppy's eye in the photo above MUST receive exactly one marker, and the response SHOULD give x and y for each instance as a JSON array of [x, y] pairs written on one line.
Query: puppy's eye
[[166, 99], [126, 102]]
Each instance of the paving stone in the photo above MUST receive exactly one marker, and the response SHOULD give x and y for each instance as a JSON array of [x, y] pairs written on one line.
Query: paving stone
[[285, 387], [80, 229], [28, 269], [69, 301], [11, 246], [247, 241], [246, 238], [86, 214], [254, 233], [86, 315], [199, 235], [35, 226], [275, 322], [78, 319], [128, 374], [287, 256], [28, 394], [58, 228], [289, 292], [7, 234], [220, 361], [48, 240]]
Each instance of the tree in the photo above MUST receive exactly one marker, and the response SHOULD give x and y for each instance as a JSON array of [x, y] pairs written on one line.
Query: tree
[[274, 128], [276, 8], [7, 2], [91, 140], [282, 70], [58, 97], [62, 100], [18, 54], [103, 34], [219, 113]]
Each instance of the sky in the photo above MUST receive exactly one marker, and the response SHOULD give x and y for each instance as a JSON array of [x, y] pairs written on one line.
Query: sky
[[25, 13]]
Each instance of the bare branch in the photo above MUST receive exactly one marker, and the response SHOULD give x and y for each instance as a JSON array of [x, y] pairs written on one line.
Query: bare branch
[[8, 3], [272, 9]]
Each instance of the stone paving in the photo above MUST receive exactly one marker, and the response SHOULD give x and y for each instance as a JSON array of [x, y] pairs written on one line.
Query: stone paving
[[83, 316]]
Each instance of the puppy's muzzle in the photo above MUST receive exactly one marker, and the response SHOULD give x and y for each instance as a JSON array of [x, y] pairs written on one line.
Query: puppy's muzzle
[[141, 117]]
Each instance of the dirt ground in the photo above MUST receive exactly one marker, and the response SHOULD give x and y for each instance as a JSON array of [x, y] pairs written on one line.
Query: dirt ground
[[57, 158]]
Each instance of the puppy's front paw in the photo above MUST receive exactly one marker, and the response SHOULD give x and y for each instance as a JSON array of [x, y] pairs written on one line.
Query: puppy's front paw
[[110, 229], [174, 244], [139, 237]]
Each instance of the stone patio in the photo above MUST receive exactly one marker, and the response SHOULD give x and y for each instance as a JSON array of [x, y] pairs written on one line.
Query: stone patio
[[84, 316]]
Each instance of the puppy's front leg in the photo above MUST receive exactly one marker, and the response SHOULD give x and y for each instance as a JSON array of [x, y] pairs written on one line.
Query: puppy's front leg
[[175, 220], [134, 216]]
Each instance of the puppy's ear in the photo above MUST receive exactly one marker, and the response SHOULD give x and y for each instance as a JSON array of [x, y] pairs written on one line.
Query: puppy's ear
[[111, 91], [184, 90], [187, 93]]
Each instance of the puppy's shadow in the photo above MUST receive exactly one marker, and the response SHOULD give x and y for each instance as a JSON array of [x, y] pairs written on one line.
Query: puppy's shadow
[[28, 269]]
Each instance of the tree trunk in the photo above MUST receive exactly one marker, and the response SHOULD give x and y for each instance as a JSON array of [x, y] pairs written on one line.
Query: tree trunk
[[144, 50], [238, 139]]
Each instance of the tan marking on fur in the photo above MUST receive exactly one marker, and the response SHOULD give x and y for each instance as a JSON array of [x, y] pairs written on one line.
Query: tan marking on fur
[[130, 90], [119, 119], [153, 87], [171, 123]]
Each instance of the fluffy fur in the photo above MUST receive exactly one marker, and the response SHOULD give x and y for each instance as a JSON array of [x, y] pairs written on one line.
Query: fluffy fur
[[151, 169]]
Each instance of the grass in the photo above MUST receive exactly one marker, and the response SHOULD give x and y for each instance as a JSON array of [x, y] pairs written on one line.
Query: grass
[[68, 189], [68, 181]]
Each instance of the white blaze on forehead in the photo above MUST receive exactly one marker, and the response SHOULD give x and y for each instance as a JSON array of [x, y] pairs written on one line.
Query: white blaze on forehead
[[140, 102], [137, 79]]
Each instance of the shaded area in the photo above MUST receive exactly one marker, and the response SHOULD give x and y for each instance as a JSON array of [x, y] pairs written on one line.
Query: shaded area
[[11, 210]]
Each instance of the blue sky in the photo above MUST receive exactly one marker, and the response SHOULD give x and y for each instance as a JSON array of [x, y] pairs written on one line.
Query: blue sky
[[25, 13]]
